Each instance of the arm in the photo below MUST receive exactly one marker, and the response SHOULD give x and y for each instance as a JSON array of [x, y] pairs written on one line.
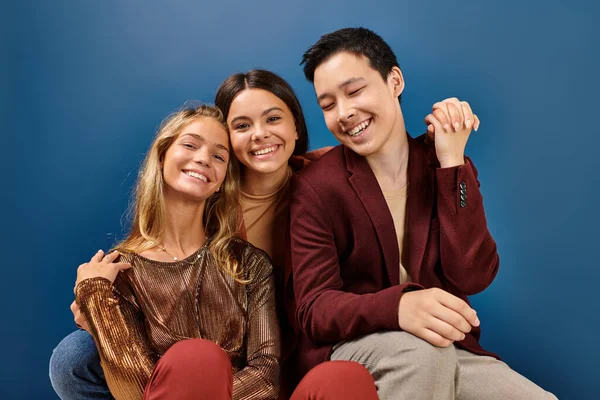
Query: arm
[[117, 326], [326, 313], [260, 377], [467, 250]]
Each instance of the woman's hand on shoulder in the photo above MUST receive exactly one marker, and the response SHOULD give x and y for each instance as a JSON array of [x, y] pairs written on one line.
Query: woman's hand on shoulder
[[101, 266]]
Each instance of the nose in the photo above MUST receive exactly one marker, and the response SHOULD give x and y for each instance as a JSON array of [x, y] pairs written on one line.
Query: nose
[[345, 112], [260, 132], [202, 156]]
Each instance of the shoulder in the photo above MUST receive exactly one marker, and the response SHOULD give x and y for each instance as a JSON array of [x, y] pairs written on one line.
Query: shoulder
[[254, 261], [328, 168]]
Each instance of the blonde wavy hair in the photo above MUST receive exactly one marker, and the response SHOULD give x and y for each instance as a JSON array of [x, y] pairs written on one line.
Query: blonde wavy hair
[[222, 212]]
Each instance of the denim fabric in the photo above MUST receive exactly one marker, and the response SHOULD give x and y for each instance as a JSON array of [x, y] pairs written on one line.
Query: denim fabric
[[75, 371]]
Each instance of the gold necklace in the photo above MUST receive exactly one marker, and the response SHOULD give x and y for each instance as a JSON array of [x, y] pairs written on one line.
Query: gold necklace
[[163, 248]]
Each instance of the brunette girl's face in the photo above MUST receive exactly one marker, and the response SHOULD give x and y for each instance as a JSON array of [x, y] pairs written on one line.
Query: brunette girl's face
[[262, 131], [196, 162]]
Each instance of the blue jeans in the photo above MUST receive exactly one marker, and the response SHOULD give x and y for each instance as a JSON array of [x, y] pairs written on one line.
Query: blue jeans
[[75, 371]]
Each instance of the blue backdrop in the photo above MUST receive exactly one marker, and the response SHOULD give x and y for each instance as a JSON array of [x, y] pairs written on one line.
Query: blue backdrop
[[85, 84]]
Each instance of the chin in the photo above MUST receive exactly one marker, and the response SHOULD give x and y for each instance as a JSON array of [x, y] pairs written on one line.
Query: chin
[[266, 167]]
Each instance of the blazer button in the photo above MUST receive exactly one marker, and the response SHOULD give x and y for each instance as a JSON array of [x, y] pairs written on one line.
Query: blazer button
[[462, 185], [463, 203], [463, 196]]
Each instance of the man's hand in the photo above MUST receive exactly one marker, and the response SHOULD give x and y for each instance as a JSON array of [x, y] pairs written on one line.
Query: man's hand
[[450, 124], [436, 316]]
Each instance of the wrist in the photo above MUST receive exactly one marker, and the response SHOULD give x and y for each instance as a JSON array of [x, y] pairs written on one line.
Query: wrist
[[451, 162]]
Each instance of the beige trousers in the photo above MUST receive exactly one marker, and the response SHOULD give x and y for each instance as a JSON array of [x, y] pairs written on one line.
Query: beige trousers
[[406, 367]]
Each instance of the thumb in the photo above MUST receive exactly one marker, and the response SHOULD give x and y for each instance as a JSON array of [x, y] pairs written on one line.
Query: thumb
[[433, 124]]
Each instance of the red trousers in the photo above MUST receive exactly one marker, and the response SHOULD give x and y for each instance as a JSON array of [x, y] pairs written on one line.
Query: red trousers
[[199, 369]]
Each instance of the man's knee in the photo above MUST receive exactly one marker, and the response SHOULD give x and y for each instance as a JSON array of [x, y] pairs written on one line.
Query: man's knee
[[393, 349], [432, 358], [73, 358]]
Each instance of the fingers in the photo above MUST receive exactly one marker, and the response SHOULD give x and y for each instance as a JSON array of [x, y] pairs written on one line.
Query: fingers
[[467, 114], [445, 330], [434, 338], [445, 121], [97, 257], [78, 317], [453, 119], [433, 124], [476, 124], [453, 113], [443, 115], [74, 307], [452, 318], [110, 257], [459, 306], [456, 115], [121, 266], [430, 129]]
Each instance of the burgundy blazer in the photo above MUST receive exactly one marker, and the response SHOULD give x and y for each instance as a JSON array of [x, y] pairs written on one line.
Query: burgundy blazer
[[344, 251]]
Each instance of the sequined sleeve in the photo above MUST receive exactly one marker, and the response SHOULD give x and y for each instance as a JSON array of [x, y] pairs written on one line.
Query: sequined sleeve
[[260, 378], [117, 325]]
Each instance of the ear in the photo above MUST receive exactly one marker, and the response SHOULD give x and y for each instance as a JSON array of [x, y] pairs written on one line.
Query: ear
[[396, 81], [297, 136]]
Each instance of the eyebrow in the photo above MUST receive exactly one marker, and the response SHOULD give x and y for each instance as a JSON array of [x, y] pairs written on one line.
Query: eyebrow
[[268, 110], [201, 138], [341, 86]]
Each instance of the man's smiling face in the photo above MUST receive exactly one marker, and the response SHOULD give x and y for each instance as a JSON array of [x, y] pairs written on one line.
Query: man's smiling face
[[360, 108]]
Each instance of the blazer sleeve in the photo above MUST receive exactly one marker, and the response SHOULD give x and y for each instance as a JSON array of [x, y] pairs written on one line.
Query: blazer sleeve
[[325, 312], [259, 379], [468, 252]]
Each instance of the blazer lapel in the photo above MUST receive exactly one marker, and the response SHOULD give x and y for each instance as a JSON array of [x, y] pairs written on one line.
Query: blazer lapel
[[367, 189], [420, 203]]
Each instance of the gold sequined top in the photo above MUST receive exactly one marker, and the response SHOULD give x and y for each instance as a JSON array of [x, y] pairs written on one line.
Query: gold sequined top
[[154, 304]]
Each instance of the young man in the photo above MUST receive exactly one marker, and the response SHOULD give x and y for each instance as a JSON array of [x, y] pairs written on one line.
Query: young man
[[389, 236]]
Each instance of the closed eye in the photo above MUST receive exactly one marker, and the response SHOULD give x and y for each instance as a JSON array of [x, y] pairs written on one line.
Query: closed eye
[[327, 107], [356, 91]]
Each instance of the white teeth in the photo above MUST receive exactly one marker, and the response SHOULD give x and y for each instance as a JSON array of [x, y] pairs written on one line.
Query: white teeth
[[359, 129], [196, 175], [264, 151]]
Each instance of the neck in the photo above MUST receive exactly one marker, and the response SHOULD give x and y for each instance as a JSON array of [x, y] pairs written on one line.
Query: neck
[[259, 184], [390, 164], [184, 231]]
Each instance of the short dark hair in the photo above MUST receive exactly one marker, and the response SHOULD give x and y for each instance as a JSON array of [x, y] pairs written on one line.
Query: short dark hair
[[271, 82], [358, 41]]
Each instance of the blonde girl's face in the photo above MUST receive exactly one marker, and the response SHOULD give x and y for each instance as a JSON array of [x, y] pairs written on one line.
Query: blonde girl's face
[[196, 162]]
